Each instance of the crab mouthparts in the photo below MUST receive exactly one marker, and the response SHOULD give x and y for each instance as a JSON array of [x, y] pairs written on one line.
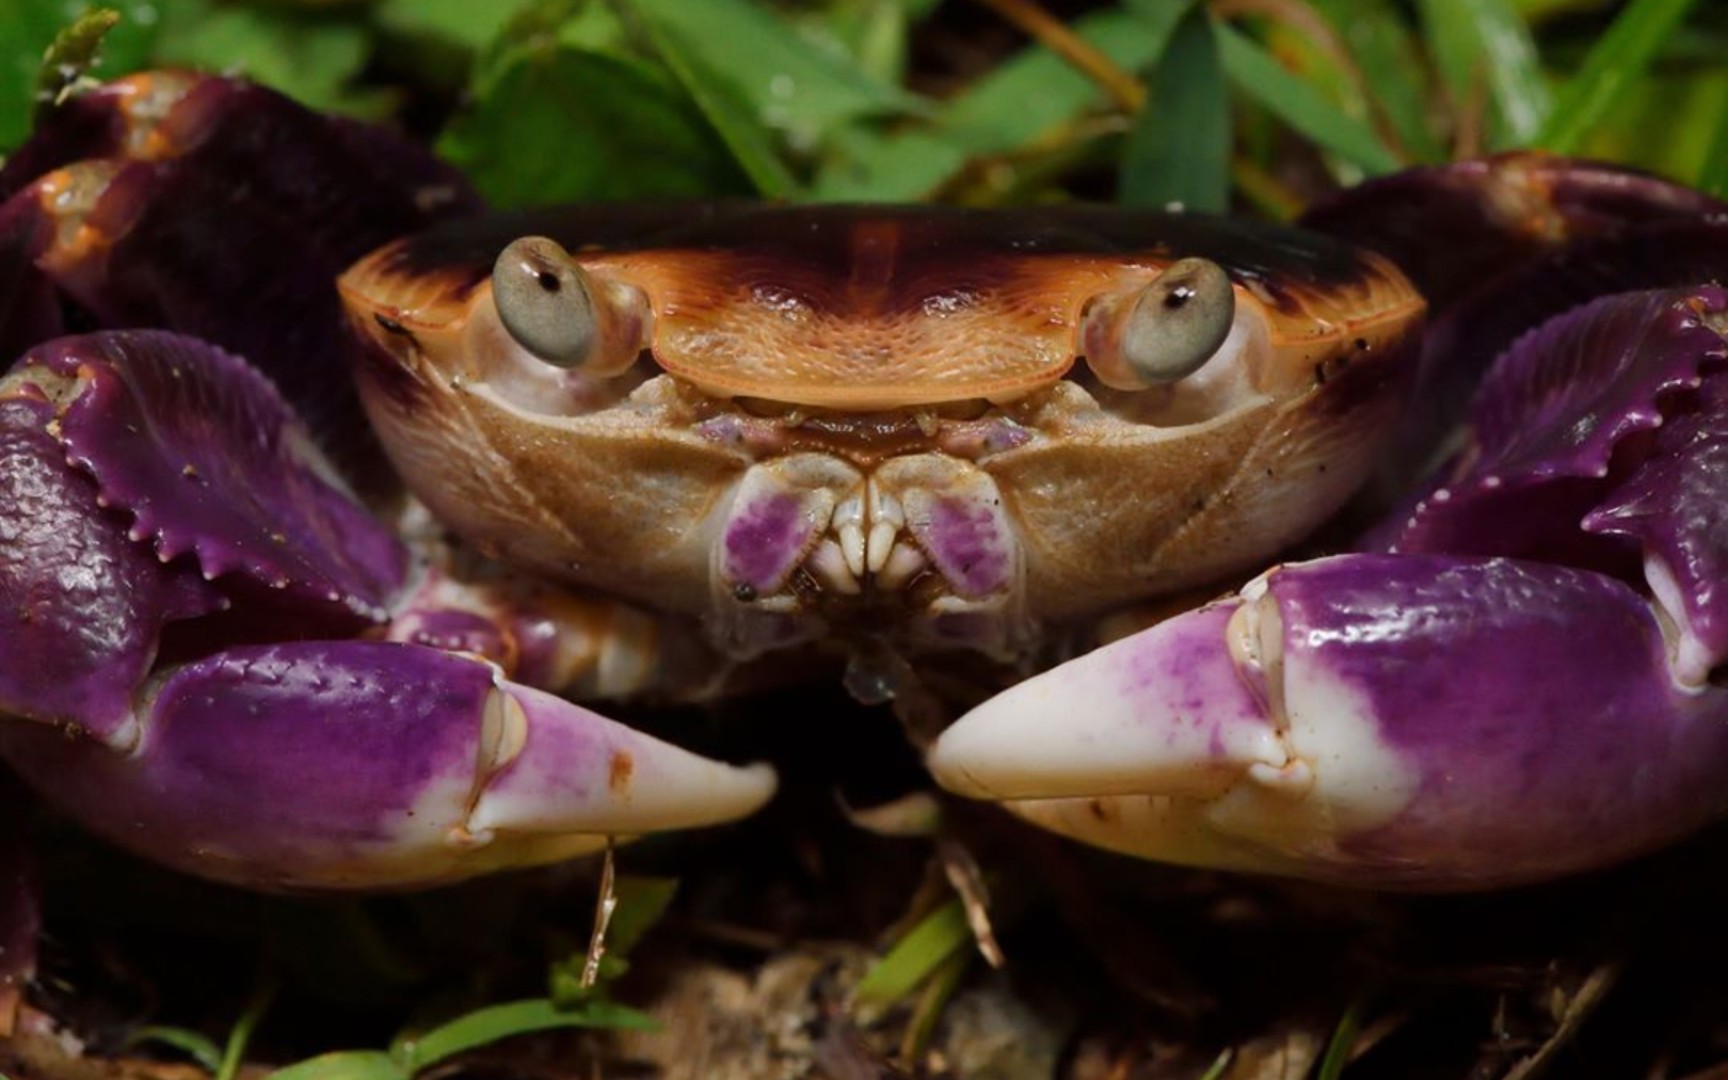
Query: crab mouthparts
[[811, 533]]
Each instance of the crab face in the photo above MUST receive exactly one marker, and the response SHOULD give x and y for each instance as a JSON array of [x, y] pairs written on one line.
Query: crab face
[[803, 422]]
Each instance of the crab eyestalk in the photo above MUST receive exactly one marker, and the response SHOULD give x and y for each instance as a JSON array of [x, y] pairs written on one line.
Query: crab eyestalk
[[559, 313], [1161, 332]]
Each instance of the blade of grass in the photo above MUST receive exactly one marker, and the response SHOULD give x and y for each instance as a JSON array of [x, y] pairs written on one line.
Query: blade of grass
[[1259, 75], [194, 1044], [942, 933], [1343, 1040], [1220, 1064], [1054, 34], [1486, 43], [1713, 176], [938, 991], [1037, 92], [1616, 60], [1179, 147], [1381, 43], [234, 1051], [496, 1022], [1014, 122], [343, 1065]]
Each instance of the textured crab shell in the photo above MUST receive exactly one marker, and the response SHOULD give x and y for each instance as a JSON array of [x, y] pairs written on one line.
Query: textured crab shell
[[889, 329], [886, 307]]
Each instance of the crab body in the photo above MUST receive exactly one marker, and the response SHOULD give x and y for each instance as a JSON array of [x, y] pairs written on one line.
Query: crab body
[[852, 422], [674, 440]]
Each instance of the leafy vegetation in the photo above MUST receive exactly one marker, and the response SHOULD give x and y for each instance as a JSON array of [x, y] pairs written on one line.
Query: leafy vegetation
[[1255, 104], [1153, 101]]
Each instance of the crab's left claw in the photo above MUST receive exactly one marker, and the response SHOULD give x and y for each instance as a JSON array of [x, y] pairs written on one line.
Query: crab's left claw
[[1408, 722]]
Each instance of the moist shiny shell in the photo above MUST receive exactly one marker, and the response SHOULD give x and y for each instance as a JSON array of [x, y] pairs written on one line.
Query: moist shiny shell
[[866, 307]]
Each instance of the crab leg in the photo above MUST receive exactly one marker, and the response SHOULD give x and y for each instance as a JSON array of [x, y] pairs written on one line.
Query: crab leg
[[222, 210], [1528, 236], [370, 764], [1416, 722]]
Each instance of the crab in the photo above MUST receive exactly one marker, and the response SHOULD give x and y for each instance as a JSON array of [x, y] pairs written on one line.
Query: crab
[[300, 585]]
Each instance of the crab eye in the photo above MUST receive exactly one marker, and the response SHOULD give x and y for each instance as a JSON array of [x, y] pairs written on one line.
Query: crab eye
[[1164, 332], [544, 300]]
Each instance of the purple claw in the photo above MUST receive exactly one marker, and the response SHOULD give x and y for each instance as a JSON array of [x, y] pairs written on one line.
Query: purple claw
[[205, 457], [1675, 506], [81, 606], [1409, 722], [1600, 440], [352, 765]]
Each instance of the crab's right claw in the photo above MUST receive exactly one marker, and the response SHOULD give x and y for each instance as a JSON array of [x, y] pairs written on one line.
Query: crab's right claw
[[359, 764], [148, 481], [1407, 722]]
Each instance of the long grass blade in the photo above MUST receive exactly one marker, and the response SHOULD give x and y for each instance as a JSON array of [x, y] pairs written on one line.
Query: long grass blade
[[1486, 45], [1259, 75], [1616, 60], [1713, 175], [1179, 147]]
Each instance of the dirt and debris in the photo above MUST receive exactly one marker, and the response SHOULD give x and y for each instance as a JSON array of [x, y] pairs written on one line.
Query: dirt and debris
[[1115, 970]]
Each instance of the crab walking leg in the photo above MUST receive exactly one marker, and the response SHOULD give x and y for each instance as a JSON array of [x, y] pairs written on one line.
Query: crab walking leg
[[578, 644], [1396, 721], [316, 765]]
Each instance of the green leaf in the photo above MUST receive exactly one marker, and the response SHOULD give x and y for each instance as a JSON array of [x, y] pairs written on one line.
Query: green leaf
[[641, 902], [30, 26], [495, 1022], [914, 957], [69, 56], [313, 56], [867, 165], [552, 123], [194, 1044], [1257, 74], [464, 23], [1038, 93], [1485, 45], [343, 1065], [1031, 103], [1179, 147], [789, 82], [1617, 59], [724, 105], [875, 32]]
